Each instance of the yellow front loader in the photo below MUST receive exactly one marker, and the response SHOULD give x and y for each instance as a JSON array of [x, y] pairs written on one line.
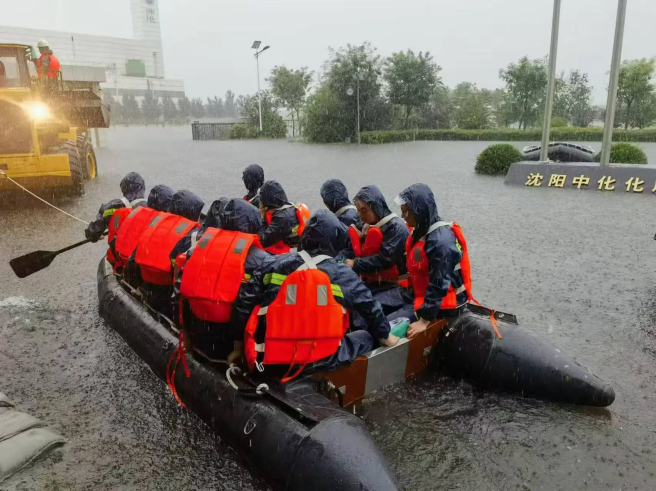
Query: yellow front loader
[[44, 125]]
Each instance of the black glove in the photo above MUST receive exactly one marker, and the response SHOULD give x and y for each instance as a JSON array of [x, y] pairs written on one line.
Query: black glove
[[92, 236]]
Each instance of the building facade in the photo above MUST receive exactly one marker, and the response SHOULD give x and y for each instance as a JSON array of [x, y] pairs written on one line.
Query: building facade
[[132, 66]]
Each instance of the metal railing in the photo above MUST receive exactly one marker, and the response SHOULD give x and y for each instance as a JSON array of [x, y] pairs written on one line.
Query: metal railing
[[211, 131]]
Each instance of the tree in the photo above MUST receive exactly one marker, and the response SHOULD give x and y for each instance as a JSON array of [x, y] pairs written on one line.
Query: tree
[[169, 109], [290, 88], [131, 109], [438, 111], [151, 107], [197, 108], [470, 109], [494, 99], [526, 85], [273, 126], [412, 79], [230, 104], [572, 99], [239, 105], [634, 92], [185, 107]]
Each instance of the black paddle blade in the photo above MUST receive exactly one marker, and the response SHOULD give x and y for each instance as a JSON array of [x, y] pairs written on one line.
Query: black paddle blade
[[31, 263]]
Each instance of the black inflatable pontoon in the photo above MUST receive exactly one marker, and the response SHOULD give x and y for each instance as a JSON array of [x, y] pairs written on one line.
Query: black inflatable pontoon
[[298, 440], [561, 152]]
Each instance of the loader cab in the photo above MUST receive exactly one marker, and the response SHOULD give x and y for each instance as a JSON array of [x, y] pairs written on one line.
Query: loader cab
[[15, 66]]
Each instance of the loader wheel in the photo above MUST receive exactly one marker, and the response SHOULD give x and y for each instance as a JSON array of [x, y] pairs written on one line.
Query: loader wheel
[[76, 165], [86, 152]]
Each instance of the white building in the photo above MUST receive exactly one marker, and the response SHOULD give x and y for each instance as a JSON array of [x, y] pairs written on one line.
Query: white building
[[132, 66]]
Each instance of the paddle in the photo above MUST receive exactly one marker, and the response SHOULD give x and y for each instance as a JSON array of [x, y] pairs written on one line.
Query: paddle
[[36, 261]]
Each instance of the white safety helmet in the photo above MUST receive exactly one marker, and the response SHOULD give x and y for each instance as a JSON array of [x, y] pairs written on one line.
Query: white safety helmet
[[43, 43]]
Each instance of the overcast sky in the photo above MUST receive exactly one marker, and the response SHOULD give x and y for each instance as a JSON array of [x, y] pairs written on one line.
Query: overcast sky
[[207, 42]]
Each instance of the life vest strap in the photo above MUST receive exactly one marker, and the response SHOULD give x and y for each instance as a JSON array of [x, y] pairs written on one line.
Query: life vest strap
[[435, 226], [385, 220], [343, 209]]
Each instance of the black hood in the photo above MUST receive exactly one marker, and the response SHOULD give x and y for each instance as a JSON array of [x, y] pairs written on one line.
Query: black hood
[[323, 234], [334, 194], [253, 177], [160, 198], [272, 195], [374, 198], [215, 213], [187, 204], [421, 201], [133, 186], [240, 216]]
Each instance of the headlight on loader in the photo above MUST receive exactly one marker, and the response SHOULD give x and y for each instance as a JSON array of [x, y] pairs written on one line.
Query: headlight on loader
[[38, 111]]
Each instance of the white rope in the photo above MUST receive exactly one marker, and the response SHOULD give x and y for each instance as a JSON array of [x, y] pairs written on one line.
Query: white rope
[[233, 369], [261, 388], [39, 198]]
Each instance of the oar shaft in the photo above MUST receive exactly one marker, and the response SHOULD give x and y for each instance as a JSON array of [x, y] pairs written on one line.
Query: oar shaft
[[78, 244]]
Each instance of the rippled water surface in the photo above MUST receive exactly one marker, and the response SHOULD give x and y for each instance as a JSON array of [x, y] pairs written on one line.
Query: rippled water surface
[[576, 267]]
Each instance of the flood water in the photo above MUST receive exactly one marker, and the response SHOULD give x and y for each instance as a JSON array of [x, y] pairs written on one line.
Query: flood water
[[576, 267]]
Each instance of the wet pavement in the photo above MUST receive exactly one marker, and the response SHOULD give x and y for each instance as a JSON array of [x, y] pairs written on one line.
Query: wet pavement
[[576, 267]]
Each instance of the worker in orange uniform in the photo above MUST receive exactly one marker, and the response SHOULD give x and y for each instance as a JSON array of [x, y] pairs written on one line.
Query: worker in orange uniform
[[47, 65]]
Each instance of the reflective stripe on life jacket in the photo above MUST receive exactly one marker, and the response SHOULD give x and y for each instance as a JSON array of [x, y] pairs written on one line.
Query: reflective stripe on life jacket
[[157, 241], [53, 66], [115, 222], [214, 273], [419, 266], [370, 246], [303, 324]]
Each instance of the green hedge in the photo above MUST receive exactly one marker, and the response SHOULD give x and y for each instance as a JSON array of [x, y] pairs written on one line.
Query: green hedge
[[569, 133], [241, 131], [495, 160], [625, 153]]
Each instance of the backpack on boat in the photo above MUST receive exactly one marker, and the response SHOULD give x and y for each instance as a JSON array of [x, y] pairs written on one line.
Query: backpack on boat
[[302, 325], [155, 245], [214, 273]]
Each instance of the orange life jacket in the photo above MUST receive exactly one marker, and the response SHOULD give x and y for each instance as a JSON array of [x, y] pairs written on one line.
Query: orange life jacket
[[304, 323], [214, 273], [373, 240], [116, 220], [156, 243], [418, 268], [302, 215], [53, 67]]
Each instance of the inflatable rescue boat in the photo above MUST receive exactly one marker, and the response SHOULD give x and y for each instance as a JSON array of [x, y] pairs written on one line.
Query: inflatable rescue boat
[[561, 152], [304, 434]]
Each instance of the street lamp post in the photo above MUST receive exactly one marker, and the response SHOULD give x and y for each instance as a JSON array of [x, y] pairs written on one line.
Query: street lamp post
[[546, 129], [360, 78], [255, 46]]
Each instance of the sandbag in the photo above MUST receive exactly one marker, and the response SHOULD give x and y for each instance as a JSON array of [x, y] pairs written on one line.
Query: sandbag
[[13, 422], [22, 449]]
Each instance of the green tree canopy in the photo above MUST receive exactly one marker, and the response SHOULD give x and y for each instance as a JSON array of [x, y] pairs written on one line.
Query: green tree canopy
[[526, 86], [635, 93], [290, 88], [273, 126], [412, 79], [169, 109], [471, 111]]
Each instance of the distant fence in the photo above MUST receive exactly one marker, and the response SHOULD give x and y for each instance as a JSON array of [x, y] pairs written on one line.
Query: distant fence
[[211, 131]]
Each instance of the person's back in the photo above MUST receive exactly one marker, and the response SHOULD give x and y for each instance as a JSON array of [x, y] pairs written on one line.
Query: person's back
[[347, 289], [213, 272], [438, 261], [280, 222], [335, 197]]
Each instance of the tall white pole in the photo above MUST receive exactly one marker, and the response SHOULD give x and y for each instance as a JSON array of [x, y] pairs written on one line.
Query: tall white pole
[[358, 84], [551, 82], [259, 94], [612, 85]]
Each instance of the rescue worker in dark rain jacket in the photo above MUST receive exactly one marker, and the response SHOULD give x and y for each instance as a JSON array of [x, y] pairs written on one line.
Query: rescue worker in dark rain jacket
[[214, 215], [213, 339], [435, 260], [133, 188], [379, 269], [348, 290], [253, 178], [335, 197], [160, 198], [187, 205], [279, 219]]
